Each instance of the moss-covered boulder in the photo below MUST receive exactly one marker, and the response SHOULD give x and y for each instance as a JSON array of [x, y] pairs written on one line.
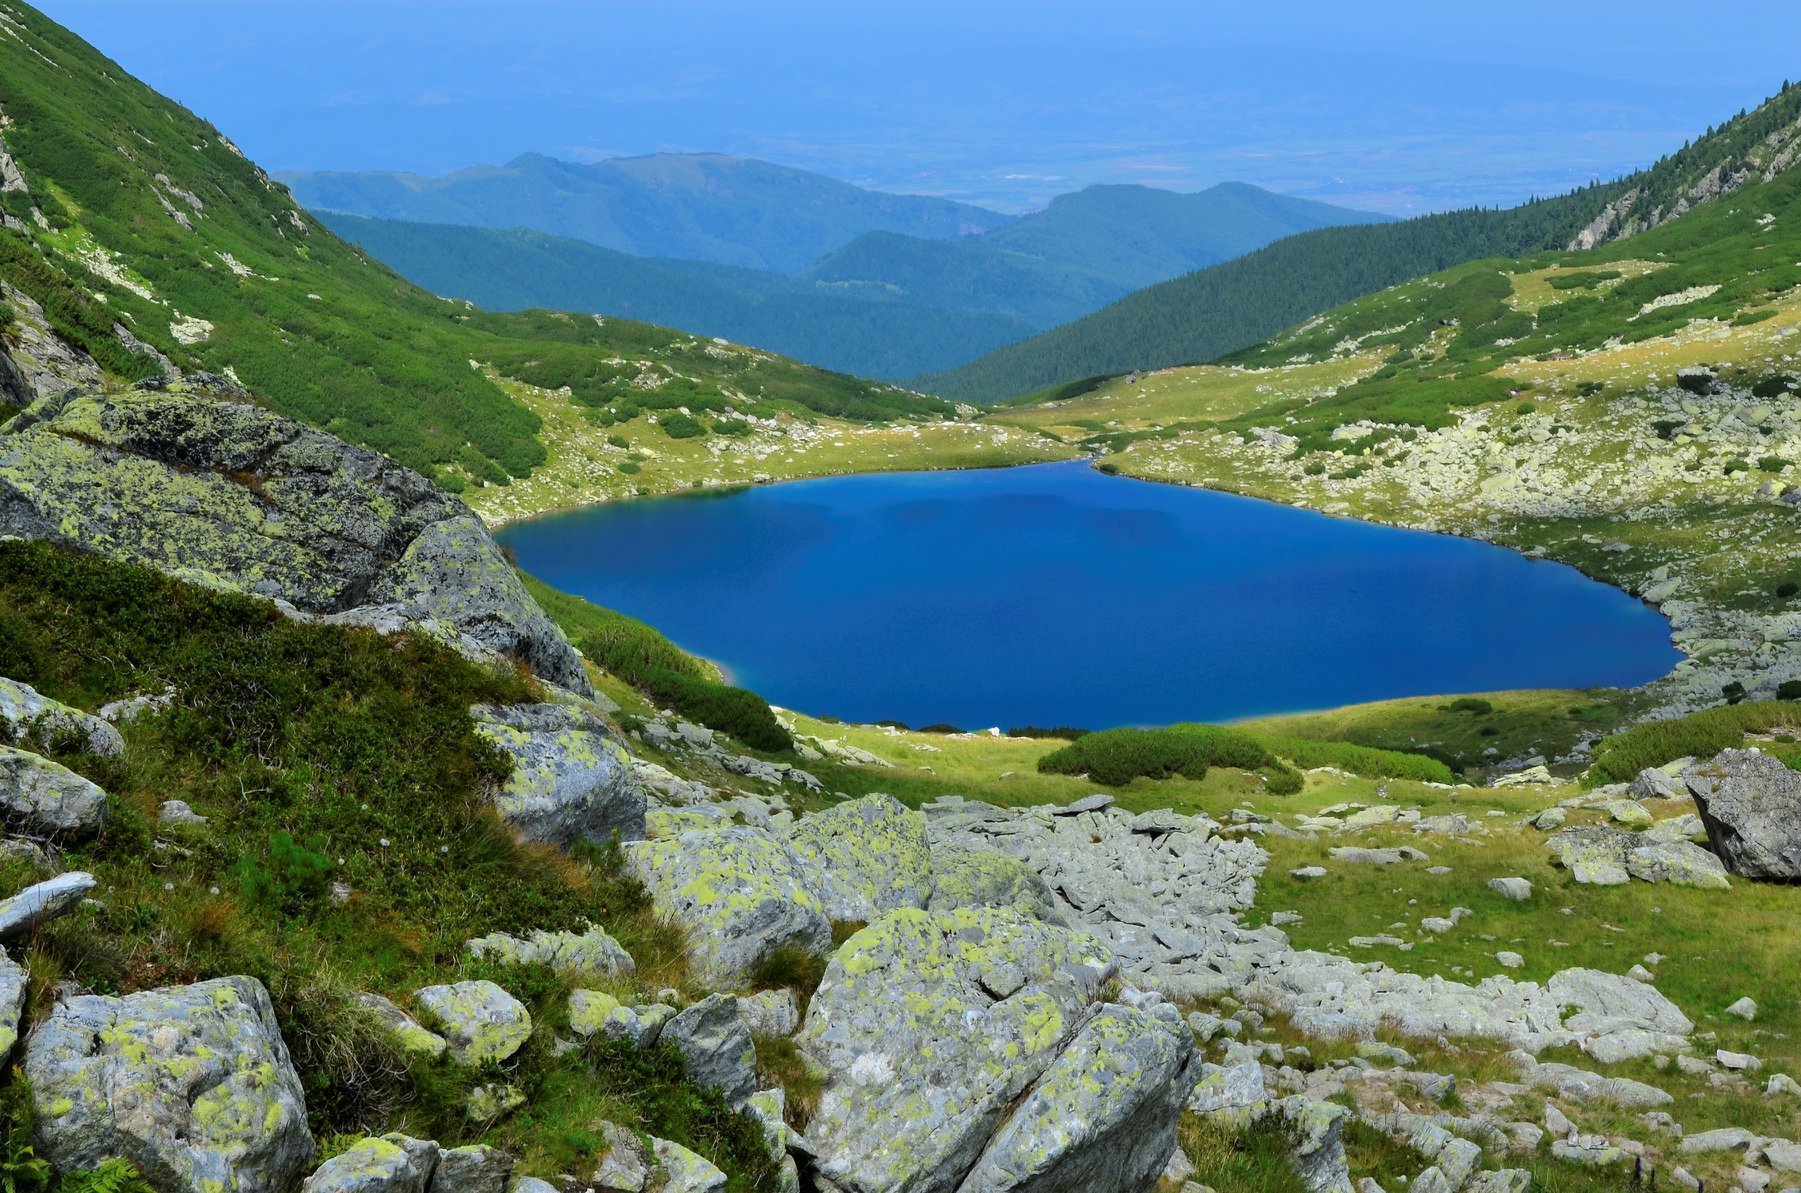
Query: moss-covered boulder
[[192, 1084], [223, 492], [31, 719], [572, 780], [481, 1022], [970, 876], [1102, 1118], [46, 799], [740, 892], [391, 1164], [871, 856], [936, 1029], [406, 1031], [12, 1004], [590, 953]]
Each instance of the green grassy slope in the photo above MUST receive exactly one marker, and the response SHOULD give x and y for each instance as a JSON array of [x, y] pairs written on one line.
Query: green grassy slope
[[707, 207], [1229, 307], [137, 213], [868, 334]]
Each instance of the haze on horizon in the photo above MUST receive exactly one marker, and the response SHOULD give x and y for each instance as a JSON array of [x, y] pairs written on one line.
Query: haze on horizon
[[1399, 106]]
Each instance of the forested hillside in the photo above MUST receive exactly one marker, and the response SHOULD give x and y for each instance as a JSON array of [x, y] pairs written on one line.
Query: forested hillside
[[1216, 311], [869, 333], [149, 242]]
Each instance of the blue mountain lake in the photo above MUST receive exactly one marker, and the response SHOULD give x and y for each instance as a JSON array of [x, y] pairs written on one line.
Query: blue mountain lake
[[1058, 595]]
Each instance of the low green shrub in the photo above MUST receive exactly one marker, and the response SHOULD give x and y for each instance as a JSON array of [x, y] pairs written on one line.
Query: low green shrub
[[1062, 732], [1470, 704], [735, 711], [290, 878], [681, 426], [1789, 689], [1115, 757], [1701, 734], [618, 441]]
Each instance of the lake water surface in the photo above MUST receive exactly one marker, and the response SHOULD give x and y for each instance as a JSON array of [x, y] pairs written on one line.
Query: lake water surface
[[1058, 595]]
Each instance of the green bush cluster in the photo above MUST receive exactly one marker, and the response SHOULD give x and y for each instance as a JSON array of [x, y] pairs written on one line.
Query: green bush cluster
[[1701, 734], [682, 426], [1115, 757], [742, 714]]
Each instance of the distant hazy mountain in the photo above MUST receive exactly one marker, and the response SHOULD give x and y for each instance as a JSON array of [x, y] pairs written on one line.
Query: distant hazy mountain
[[703, 207], [869, 334], [1084, 251], [882, 304]]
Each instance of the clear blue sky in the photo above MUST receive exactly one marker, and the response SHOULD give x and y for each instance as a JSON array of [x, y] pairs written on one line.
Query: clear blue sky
[[1397, 105]]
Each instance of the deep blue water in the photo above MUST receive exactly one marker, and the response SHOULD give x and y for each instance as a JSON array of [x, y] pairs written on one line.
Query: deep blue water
[[1057, 595]]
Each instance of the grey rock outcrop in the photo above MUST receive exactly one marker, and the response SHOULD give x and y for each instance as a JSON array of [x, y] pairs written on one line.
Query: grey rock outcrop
[[46, 799], [1601, 856], [715, 1044], [1101, 1117], [480, 1021], [390, 1164], [1000, 1001], [30, 719], [1751, 806], [12, 1004], [192, 1084], [740, 892], [228, 494], [42, 902], [871, 857], [473, 1169], [590, 953], [571, 781]]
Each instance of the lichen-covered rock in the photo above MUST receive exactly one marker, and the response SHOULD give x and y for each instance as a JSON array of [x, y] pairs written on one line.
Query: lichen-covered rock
[[46, 799], [590, 953], [871, 856], [1102, 1118], [406, 1031], [1319, 1156], [1600, 856], [929, 1026], [740, 893], [970, 876], [391, 1164], [1751, 805], [1618, 1018], [224, 493], [716, 1048], [571, 781], [192, 1084], [686, 1172], [12, 1004], [594, 1012], [770, 1012], [30, 718], [626, 1165], [473, 1169], [481, 1022], [1234, 1088], [42, 902]]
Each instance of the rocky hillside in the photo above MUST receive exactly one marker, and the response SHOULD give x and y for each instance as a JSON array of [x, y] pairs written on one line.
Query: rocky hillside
[[140, 235], [331, 864]]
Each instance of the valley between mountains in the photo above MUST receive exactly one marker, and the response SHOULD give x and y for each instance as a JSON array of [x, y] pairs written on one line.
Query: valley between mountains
[[342, 856]]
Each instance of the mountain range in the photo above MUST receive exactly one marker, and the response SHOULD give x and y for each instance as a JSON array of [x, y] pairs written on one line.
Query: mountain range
[[877, 285]]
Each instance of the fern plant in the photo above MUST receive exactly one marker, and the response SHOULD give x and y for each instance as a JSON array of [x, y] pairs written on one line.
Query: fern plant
[[115, 1176]]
